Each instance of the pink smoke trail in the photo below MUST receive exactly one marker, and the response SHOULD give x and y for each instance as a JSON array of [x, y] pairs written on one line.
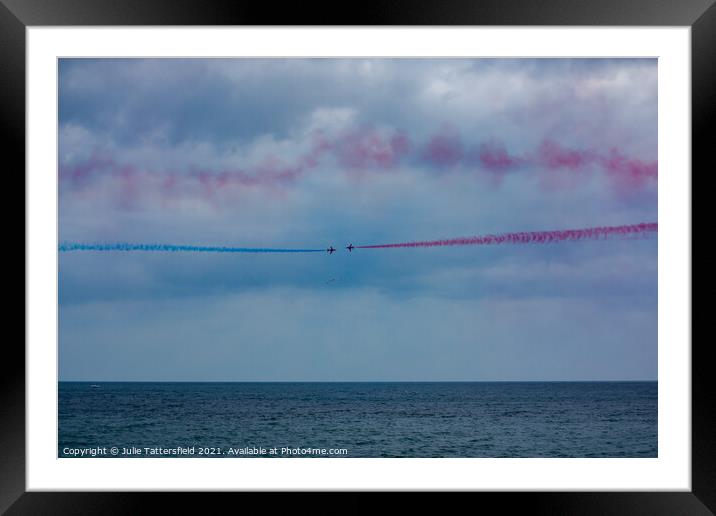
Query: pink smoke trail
[[361, 150], [532, 237]]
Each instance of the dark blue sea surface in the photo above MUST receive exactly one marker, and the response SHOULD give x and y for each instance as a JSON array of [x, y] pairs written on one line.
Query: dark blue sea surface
[[480, 419]]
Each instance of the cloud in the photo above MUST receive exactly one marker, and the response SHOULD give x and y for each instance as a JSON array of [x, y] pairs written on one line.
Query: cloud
[[308, 153], [350, 150], [160, 131], [304, 335]]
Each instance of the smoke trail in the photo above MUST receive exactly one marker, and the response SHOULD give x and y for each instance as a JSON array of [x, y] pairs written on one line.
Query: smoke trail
[[74, 246], [360, 150], [533, 237]]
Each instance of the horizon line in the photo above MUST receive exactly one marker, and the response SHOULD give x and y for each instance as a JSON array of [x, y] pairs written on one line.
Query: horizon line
[[358, 381]]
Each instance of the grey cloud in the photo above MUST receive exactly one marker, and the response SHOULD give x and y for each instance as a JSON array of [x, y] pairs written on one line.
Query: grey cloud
[[310, 336], [573, 311]]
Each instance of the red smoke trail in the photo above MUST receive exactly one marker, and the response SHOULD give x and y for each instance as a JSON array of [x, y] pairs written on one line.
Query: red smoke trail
[[554, 156], [368, 148], [445, 149], [532, 237], [495, 158], [359, 150]]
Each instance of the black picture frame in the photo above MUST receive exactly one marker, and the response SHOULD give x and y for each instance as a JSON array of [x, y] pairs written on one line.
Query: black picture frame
[[700, 15]]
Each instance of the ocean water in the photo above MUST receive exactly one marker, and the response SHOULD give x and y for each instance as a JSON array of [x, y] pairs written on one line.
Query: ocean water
[[450, 419]]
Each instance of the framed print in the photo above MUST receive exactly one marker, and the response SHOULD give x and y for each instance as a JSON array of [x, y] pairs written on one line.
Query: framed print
[[426, 251]]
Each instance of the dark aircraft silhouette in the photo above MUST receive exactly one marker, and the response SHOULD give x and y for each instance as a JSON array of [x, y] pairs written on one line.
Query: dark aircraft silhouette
[[350, 248], [331, 250]]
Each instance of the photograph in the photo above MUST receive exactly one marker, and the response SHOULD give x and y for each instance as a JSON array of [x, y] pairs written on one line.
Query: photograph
[[357, 257]]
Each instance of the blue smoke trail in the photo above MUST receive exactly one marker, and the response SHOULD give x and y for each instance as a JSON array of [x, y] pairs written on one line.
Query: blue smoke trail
[[74, 246]]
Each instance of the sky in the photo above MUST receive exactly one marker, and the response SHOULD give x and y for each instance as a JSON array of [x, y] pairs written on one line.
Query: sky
[[307, 153]]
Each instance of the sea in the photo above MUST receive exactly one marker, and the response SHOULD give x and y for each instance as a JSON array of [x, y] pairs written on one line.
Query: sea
[[382, 419]]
